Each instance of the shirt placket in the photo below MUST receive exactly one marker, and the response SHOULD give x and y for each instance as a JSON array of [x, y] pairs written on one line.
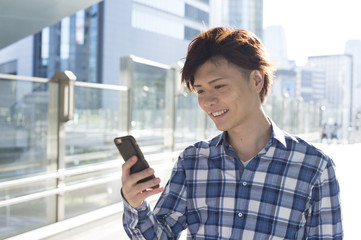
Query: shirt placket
[[242, 199]]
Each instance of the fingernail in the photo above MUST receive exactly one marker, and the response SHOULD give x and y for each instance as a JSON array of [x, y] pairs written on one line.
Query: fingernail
[[150, 171]]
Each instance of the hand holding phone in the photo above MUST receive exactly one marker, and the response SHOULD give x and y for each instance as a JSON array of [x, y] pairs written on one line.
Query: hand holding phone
[[128, 147]]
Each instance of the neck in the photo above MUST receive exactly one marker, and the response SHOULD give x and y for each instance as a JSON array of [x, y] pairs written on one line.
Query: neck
[[250, 138]]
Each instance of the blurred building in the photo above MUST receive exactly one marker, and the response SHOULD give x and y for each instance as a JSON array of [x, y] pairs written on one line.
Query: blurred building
[[246, 14], [338, 88], [285, 83], [353, 48], [311, 85], [91, 42]]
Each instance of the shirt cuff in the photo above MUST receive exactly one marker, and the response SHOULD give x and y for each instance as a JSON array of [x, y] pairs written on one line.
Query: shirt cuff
[[131, 218]]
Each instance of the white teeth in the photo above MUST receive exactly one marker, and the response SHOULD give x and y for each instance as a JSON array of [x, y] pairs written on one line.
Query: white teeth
[[216, 114]]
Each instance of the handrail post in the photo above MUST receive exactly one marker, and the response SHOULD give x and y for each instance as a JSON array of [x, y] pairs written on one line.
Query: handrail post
[[173, 90], [61, 109], [126, 79]]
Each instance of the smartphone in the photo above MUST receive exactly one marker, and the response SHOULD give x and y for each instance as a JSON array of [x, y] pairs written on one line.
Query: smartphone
[[128, 147]]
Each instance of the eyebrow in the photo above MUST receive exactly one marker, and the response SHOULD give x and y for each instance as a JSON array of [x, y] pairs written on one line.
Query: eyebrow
[[210, 82]]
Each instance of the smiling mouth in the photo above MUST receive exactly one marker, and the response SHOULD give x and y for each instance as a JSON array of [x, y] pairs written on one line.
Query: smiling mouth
[[219, 113]]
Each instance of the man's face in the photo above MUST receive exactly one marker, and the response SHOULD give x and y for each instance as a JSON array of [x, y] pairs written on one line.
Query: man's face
[[227, 96]]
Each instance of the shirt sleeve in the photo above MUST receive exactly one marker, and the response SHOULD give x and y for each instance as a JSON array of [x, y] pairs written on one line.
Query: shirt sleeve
[[168, 218], [324, 220]]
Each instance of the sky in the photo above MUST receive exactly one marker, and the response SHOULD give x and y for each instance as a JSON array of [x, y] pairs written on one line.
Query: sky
[[314, 27]]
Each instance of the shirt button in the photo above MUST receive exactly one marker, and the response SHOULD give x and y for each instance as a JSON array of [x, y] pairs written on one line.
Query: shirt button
[[135, 231], [240, 214], [143, 208], [244, 183]]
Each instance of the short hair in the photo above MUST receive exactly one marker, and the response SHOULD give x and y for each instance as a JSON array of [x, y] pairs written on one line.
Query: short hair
[[239, 47]]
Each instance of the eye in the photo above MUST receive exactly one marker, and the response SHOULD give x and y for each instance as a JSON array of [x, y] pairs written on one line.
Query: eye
[[219, 86], [199, 91]]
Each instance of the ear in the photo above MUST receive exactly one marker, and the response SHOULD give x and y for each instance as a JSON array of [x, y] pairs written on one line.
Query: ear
[[257, 79]]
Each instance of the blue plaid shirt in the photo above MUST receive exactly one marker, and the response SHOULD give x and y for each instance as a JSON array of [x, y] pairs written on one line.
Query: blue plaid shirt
[[287, 191]]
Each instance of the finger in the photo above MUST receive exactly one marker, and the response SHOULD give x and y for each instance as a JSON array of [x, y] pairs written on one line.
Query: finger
[[132, 187], [138, 199], [135, 177], [127, 165], [140, 187], [148, 193], [134, 194]]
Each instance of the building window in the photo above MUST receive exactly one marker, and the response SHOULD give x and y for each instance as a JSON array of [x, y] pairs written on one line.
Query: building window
[[156, 24], [204, 1], [72, 44], [173, 7], [196, 14], [9, 67], [306, 79], [190, 33]]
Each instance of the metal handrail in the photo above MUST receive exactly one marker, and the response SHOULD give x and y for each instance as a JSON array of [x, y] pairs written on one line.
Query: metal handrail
[[62, 173], [59, 190], [70, 158], [90, 156], [148, 62], [77, 83], [113, 164], [23, 78], [101, 86]]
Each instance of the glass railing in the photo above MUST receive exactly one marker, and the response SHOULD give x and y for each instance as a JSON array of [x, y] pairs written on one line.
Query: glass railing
[[294, 115], [23, 153], [57, 156], [99, 116]]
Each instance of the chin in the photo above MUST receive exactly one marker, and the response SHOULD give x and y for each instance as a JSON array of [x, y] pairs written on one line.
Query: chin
[[221, 128]]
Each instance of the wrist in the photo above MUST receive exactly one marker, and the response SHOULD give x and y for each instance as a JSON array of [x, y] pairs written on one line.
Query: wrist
[[132, 205]]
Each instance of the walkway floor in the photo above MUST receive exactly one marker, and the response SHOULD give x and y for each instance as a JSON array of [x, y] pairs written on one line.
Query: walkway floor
[[347, 159]]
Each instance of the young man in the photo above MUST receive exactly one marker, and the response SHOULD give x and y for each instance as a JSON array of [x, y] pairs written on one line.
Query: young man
[[253, 181]]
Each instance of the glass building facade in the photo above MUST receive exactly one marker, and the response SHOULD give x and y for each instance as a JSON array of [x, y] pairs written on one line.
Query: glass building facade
[[338, 89], [170, 17], [245, 14], [75, 43]]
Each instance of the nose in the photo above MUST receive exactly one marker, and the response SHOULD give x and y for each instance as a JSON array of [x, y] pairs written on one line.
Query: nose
[[207, 99]]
